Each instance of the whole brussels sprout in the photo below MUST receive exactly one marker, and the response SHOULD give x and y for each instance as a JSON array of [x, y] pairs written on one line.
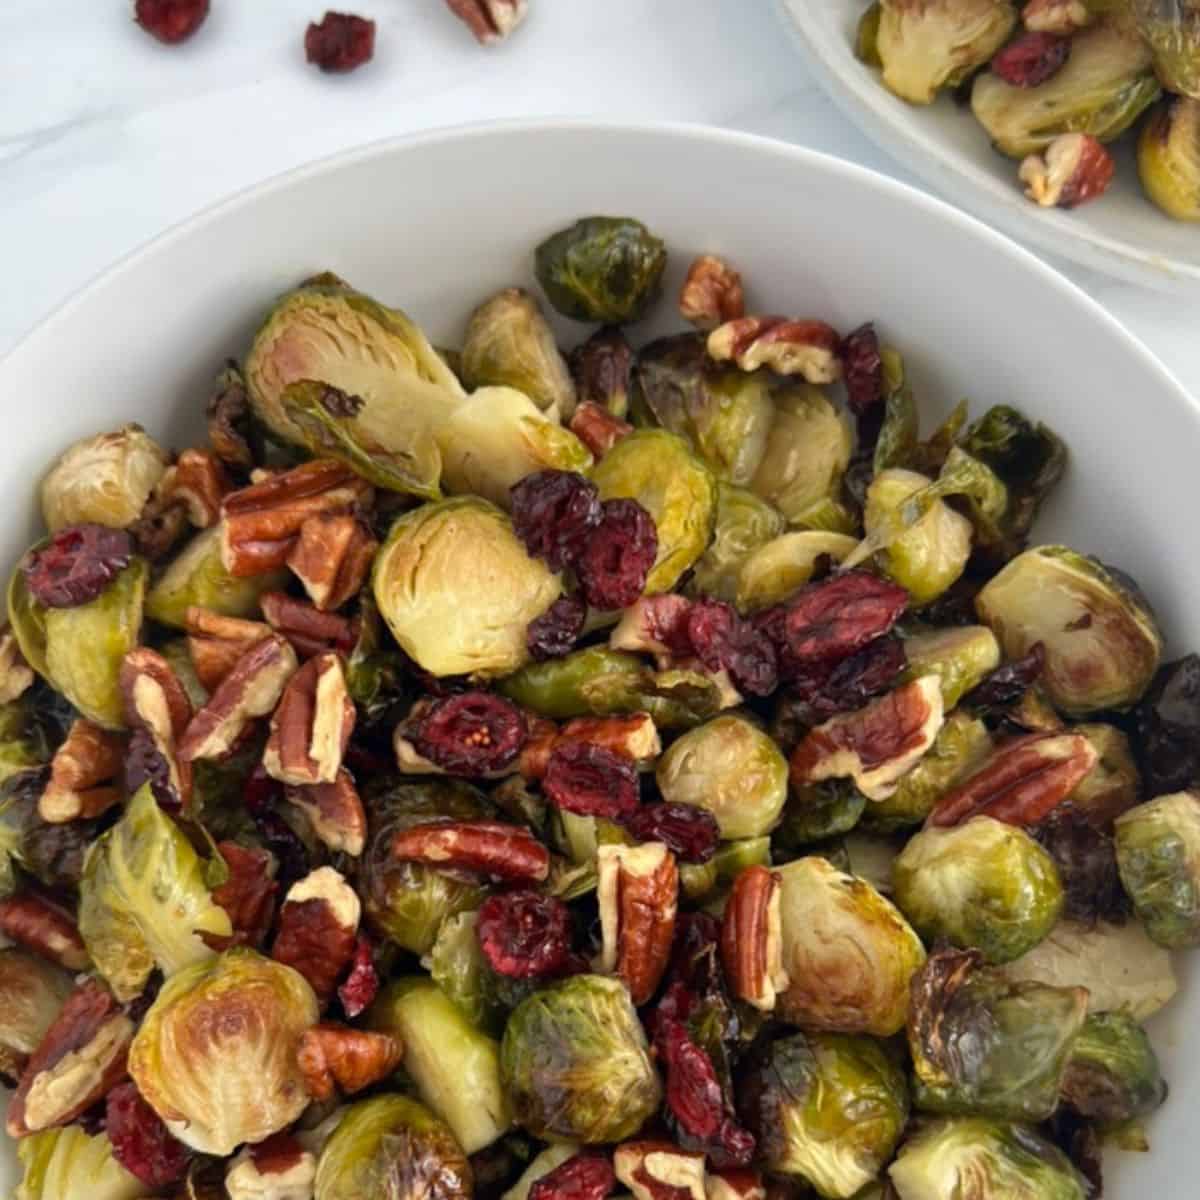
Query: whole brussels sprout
[[103, 480], [927, 45], [827, 1107], [1112, 1074], [991, 1160], [961, 658], [817, 811], [1113, 785], [215, 1055], [1104, 86], [57, 1161], [392, 1148], [1168, 157], [32, 991], [659, 471], [605, 269], [744, 522], [1158, 856], [983, 884], [1102, 644], [785, 564], [510, 344], [848, 952], [457, 590], [983, 1044], [732, 768], [575, 1063], [1172, 31]]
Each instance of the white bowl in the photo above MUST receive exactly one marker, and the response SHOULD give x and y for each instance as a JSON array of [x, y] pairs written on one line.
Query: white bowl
[[1122, 234], [435, 222]]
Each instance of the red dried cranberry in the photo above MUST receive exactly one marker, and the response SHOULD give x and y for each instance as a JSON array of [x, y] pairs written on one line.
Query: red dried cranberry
[[554, 513], [472, 733], [340, 42], [77, 564], [585, 1177], [863, 369], [618, 556], [248, 894], [722, 640], [261, 793], [1031, 59], [144, 763], [524, 934], [691, 833], [591, 781], [285, 844], [361, 985], [556, 631], [141, 1143], [1008, 683], [171, 21], [818, 693]]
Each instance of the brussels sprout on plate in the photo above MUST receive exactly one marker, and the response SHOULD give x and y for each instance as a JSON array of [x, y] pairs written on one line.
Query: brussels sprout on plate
[[1169, 157], [743, 524], [1172, 31], [55, 1161], [961, 658], [1113, 1075], [770, 573]]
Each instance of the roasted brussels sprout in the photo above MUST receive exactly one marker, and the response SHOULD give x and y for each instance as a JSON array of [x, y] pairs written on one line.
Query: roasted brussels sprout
[[457, 589], [827, 1107], [57, 1162], [392, 1148], [571, 686], [605, 269], [1169, 157], [456, 964], [818, 811], [1112, 1074], [866, 37], [961, 658], [848, 952], [1172, 31], [991, 1160], [785, 564], [510, 344], [1158, 855], [23, 741], [983, 884], [732, 768], [1112, 786], [215, 1056], [927, 45], [575, 1063], [657, 469], [1105, 85], [982, 1044], [744, 523], [31, 993], [1101, 642], [143, 900]]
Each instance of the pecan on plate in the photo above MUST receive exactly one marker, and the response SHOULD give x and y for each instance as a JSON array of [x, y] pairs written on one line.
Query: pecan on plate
[[485, 847], [638, 892], [311, 725], [83, 772], [40, 925], [634, 736], [752, 938], [1072, 170], [490, 21], [335, 813], [335, 1058], [734, 1183], [712, 293], [318, 927], [309, 630], [278, 1169], [597, 428], [80, 1057], [809, 349], [332, 557], [158, 707], [659, 1170], [15, 673], [198, 483], [216, 642]]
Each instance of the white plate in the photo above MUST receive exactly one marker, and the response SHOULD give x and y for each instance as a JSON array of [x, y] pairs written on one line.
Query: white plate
[[1121, 234], [435, 222]]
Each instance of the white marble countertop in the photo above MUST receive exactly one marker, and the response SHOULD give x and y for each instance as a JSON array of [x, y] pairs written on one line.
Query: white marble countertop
[[107, 138]]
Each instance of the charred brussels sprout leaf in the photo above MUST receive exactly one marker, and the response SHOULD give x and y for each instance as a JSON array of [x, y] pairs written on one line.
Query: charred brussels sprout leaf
[[1112, 1074], [1172, 31], [605, 269], [374, 673], [56, 1161], [575, 1062], [771, 573], [1169, 157], [743, 524]]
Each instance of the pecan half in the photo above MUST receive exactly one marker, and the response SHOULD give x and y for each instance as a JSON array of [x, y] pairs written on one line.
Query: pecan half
[[597, 428], [638, 891], [490, 21], [1073, 169], [197, 481], [278, 1169], [1021, 781], [335, 1058], [634, 736], [156, 703], [335, 813], [42, 926], [318, 925], [711, 293], [735, 1183], [248, 895], [659, 1170], [312, 724], [875, 746], [331, 558], [309, 630], [81, 1056], [485, 847], [15, 673], [82, 774], [250, 690], [216, 642], [752, 939], [809, 349]]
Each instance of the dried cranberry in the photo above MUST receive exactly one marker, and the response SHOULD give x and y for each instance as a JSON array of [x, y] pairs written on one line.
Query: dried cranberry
[[1168, 728], [818, 693], [554, 513], [285, 844], [691, 833], [141, 1143], [722, 640], [340, 42], [144, 763], [587, 1176], [261, 793], [591, 781], [1031, 59], [77, 564], [556, 631], [1086, 859], [863, 369], [171, 21], [524, 934], [1008, 683], [618, 556], [361, 985], [472, 733]]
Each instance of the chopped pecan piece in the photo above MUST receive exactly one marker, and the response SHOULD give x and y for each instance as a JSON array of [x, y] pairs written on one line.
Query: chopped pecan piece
[[752, 939], [156, 703], [809, 349], [337, 1058], [735, 1183], [485, 847], [1063, 17], [489, 20], [318, 925], [658, 1170], [278, 1169], [15, 673], [1073, 169], [216, 642], [248, 895], [597, 428], [309, 630], [42, 926], [634, 736], [197, 481], [82, 774], [335, 812], [312, 724], [332, 557], [712, 293]]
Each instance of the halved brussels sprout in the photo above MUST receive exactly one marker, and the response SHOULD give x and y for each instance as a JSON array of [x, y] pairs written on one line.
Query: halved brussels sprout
[[732, 768], [849, 953], [457, 590], [32, 991], [103, 480], [456, 964], [392, 1148], [215, 1055], [1101, 641], [983, 1159], [1112, 786], [498, 436], [143, 899], [818, 811], [566, 687], [961, 658], [657, 469], [1158, 855], [605, 269], [57, 1162], [1112, 1074], [808, 451], [785, 564], [744, 522], [510, 344], [983, 884], [1103, 87], [827, 1107], [575, 1062], [699, 881], [1172, 31], [1169, 157]]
